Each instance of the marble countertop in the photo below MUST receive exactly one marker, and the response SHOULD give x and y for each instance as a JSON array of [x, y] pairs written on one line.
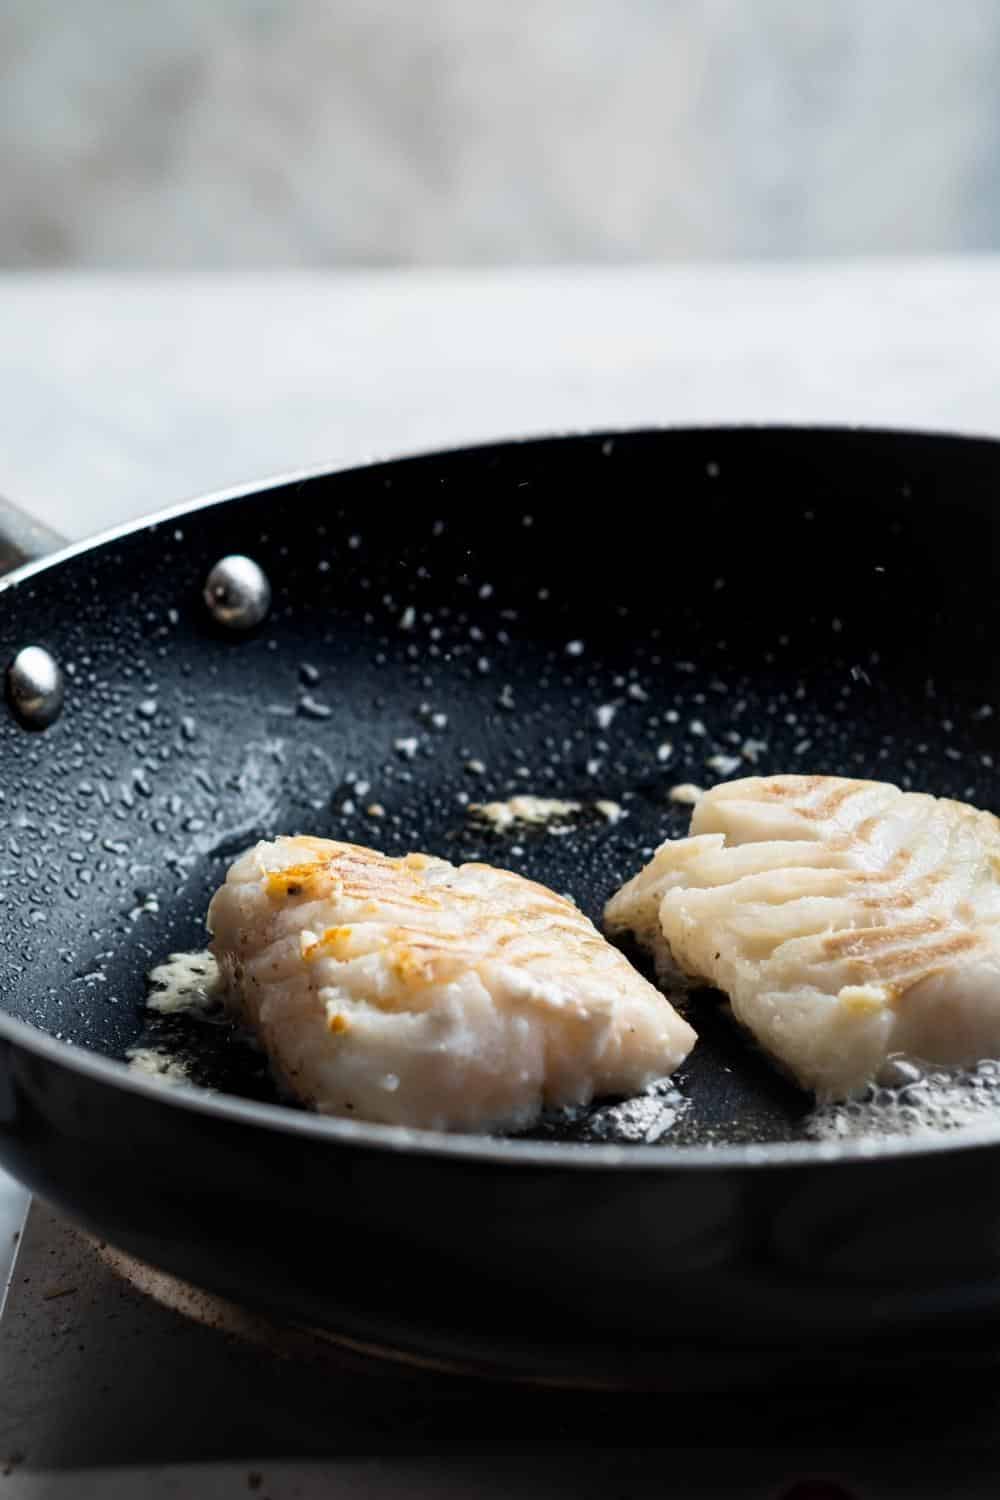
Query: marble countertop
[[124, 393]]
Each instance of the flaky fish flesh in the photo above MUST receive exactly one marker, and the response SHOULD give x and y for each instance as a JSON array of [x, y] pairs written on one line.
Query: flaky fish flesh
[[847, 921], [415, 992]]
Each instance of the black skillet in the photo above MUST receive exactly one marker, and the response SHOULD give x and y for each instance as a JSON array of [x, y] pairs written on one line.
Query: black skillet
[[830, 594]]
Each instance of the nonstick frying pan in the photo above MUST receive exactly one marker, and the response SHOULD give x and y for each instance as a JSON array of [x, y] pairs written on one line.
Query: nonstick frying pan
[[828, 595]]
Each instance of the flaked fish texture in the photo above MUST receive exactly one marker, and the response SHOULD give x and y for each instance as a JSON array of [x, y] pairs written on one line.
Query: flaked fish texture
[[847, 921], [415, 992]]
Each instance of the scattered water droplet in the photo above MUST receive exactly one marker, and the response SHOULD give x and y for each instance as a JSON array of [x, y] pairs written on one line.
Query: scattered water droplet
[[310, 708]]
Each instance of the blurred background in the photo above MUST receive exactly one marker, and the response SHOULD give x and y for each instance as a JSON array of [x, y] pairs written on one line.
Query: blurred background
[[248, 236], [315, 133]]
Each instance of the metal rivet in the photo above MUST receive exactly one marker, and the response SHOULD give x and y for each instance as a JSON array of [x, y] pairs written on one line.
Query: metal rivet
[[237, 592], [35, 687]]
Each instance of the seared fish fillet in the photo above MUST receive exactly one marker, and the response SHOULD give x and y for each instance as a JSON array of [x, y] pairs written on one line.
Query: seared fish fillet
[[847, 921], [415, 992]]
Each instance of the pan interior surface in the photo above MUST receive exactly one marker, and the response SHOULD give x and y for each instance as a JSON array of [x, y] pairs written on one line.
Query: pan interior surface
[[596, 619]]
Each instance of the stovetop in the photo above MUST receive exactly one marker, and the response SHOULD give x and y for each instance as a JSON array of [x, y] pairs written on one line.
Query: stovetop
[[106, 1389]]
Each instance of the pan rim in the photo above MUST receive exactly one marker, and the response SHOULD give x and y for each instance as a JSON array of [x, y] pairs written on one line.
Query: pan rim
[[248, 489], [484, 1149], [499, 1152]]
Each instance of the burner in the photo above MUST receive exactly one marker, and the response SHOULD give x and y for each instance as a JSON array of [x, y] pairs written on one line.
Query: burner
[[370, 1346], [439, 1352], [284, 1340]]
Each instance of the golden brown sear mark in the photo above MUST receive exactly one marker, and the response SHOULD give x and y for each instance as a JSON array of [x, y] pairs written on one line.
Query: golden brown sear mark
[[786, 789], [356, 873], [899, 948], [834, 801]]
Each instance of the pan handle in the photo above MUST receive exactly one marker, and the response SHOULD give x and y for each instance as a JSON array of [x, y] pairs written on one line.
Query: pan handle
[[22, 538]]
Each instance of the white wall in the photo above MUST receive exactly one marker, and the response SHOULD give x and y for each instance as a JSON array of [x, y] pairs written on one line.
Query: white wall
[[315, 132]]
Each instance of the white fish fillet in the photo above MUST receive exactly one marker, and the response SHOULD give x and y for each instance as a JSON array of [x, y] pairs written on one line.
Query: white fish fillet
[[847, 921], [415, 992]]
